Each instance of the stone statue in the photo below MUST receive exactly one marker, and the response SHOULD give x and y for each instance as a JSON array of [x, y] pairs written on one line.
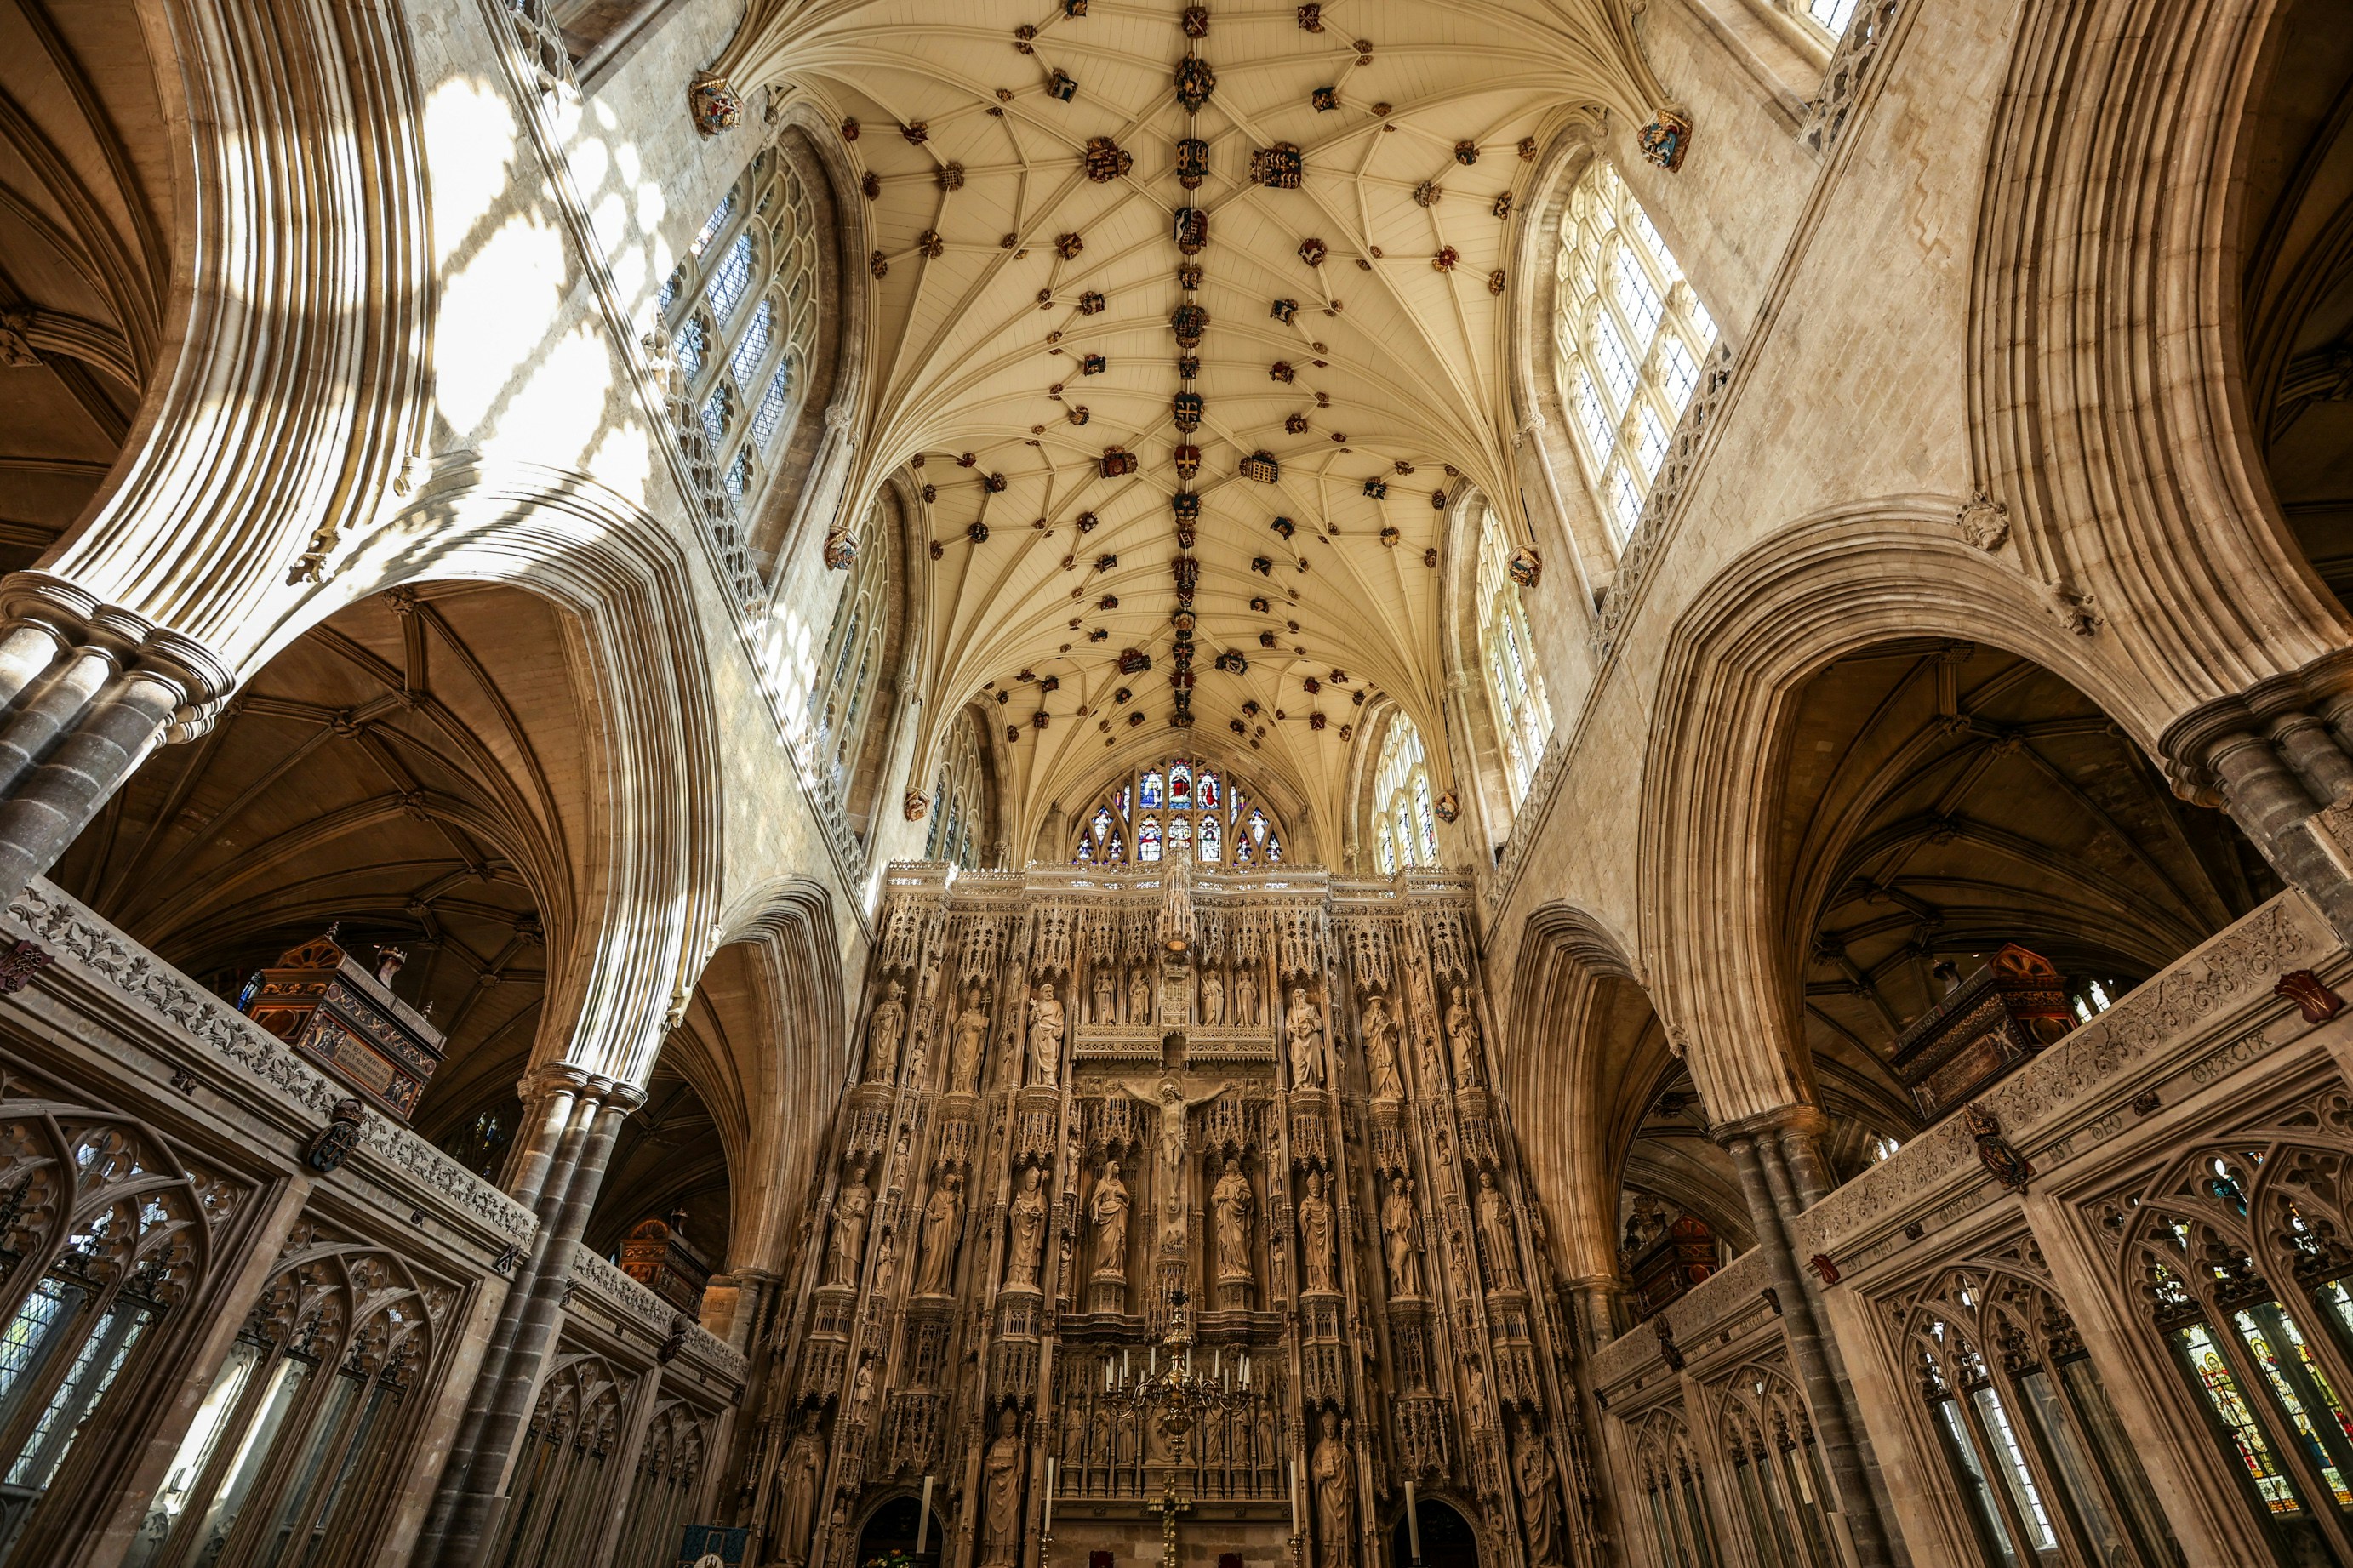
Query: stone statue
[[797, 1478], [1329, 1466], [1176, 930], [1496, 1231], [1305, 1028], [1106, 996], [1401, 1239], [851, 1208], [1245, 998], [971, 1035], [1213, 1000], [940, 1218], [1107, 1212], [1046, 1024], [1539, 1503], [884, 1033], [1463, 1034], [1028, 1237], [1139, 997], [1315, 1234], [1381, 1053], [1000, 1485], [1232, 1200]]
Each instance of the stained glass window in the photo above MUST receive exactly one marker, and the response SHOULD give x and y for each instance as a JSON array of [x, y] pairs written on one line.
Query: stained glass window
[[2254, 1449], [1628, 352], [1194, 811], [960, 798], [849, 667], [2284, 1384]]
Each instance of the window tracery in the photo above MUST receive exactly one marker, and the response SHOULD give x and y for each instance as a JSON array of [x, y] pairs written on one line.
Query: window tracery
[[1177, 805], [960, 799], [1404, 827], [741, 314], [850, 666], [1631, 335], [1515, 692]]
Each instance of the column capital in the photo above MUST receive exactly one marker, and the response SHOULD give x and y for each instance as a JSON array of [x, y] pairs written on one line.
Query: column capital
[[1805, 1118], [564, 1078]]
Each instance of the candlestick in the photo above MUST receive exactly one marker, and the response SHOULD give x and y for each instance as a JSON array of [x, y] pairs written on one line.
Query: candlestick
[[1050, 1504], [1294, 1499], [924, 1520]]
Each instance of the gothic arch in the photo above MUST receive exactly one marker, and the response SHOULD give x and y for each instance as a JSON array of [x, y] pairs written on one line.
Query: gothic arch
[[1764, 625], [293, 338], [2108, 405], [630, 590]]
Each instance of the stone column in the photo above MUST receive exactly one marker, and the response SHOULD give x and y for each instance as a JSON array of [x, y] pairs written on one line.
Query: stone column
[[1754, 1146], [86, 692], [572, 1117]]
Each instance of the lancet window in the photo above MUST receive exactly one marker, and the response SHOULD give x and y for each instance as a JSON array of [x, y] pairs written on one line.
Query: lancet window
[[2239, 1253], [1404, 827], [289, 1449], [1631, 337], [2025, 1426], [740, 313], [1776, 1470], [1515, 693], [104, 1232], [960, 799], [850, 664], [561, 1491], [1177, 805], [1674, 1494]]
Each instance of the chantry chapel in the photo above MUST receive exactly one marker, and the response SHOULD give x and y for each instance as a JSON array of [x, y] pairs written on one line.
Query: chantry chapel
[[1381, 784]]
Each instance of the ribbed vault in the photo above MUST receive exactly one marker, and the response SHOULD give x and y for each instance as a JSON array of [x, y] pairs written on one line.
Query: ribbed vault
[[1000, 262]]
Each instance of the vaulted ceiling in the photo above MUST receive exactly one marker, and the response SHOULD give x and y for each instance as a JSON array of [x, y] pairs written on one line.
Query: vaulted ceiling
[[992, 238]]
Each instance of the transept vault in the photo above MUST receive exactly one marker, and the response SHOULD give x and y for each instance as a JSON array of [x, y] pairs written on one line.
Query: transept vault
[[1393, 784]]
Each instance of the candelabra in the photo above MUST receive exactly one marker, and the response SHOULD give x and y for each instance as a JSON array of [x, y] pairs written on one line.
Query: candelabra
[[1174, 1393]]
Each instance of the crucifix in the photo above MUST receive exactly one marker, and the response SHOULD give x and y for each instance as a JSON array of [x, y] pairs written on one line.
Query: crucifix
[[1169, 1506]]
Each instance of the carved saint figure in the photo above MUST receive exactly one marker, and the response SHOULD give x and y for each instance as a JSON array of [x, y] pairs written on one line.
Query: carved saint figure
[[1329, 1466], [1245, 998], [1305, 1027], [1213, 1000], [1107, 1212], [1463, 1034], [940, 1218], [798, 1475], [1496, 1231], [1177, 905], [1381, 1053], [1106, 996], [971, 1034], [1029, 1233], [1401, 1237], [1232, 1200], [884, 1033], [1139, 997], [1001, 1495], [1046, 1035], [851, 1208], [1315, 1234], [1539, 1504]]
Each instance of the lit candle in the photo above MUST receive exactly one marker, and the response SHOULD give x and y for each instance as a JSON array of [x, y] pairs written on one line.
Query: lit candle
[[1217, 1362], [1245, 1369], [1294, 1497], [1412, 1518], [1049, 1505], [924, 1520], [1153, 1370], [1107, 1375], [1123, 1364]]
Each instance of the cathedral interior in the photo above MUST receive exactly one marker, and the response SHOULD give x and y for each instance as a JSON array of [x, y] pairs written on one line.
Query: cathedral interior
[[1380, 783]]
